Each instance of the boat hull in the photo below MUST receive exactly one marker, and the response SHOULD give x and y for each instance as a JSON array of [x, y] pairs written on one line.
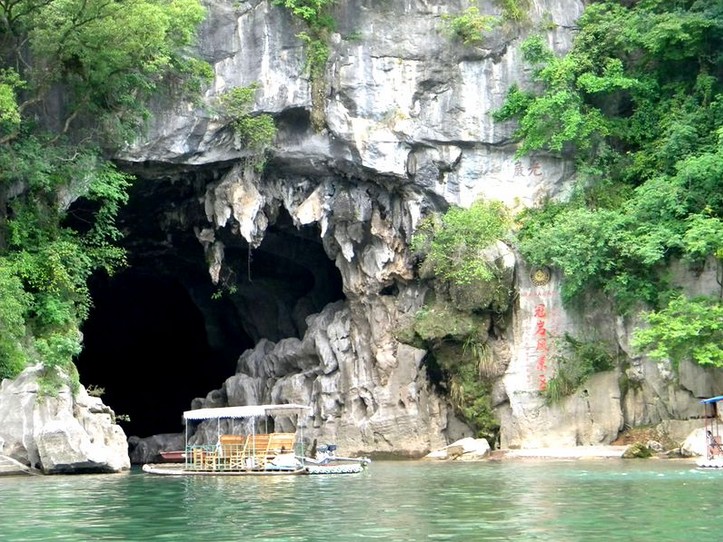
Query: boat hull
[[180, 470], [715, 463], [173, 456], [347, 468]]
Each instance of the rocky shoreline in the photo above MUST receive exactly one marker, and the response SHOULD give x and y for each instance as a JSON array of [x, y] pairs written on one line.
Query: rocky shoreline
[[575, 452]]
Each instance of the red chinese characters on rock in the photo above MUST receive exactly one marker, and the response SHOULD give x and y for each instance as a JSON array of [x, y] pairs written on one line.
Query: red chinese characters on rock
[[541, 346]]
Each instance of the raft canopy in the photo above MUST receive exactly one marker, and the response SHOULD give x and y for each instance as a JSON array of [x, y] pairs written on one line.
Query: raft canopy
[[249, 411], [713, 399]]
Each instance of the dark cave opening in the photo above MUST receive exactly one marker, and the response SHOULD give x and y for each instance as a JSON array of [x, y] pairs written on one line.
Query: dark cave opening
[[145, 344], [161, 334]]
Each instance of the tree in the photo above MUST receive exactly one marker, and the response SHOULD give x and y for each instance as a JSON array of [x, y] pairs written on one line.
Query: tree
[[638, 104], [101, 60], [689, 329], [453, 242]]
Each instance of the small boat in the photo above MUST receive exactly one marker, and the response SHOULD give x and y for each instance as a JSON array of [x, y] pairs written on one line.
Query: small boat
[[713, 458], [253, 453], [173, 456]]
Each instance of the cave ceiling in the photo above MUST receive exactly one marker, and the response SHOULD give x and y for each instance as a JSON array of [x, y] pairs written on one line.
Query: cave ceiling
[[161, 333]]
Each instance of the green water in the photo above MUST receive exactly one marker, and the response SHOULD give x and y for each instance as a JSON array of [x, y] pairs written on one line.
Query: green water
[[392, 501]]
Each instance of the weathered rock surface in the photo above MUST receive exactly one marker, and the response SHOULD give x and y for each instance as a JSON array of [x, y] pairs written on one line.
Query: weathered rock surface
[[408, 130], [365, 400], [61, 434], [466, 449], [148, 450]]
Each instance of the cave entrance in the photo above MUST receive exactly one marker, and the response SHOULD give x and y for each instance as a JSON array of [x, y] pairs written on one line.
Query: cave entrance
[[160, 334], [146, 346]]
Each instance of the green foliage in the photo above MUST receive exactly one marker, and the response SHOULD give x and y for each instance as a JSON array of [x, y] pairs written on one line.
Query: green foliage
[[461, 363], [439, 322], [468, 391], [703, 236], [256, 132], [54, 377], [470, 26], [14, 304], [10, 83], [453, 243], [190, 77], [482, 354], [685, 329], [577, 361], [317, 53], [559, 120], [319, 22], [109, 84], [47, 260], [58, 196], [315, 13], [638, 104], [514, 10]]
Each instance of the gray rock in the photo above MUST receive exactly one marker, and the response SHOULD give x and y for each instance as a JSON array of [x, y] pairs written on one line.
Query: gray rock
[[148, 449], [408, 130], [466, 449], [65, 433]]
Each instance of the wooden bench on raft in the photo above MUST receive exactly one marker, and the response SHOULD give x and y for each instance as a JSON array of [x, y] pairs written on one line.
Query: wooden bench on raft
[[239, 451], [204, 459]]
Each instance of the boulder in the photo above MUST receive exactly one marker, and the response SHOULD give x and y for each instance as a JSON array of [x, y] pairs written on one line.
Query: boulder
[[695, 444], [62, 433], [637, 450], [466, 449]]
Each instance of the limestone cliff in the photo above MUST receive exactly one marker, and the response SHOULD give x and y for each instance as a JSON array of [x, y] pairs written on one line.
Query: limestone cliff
[[408, 129]]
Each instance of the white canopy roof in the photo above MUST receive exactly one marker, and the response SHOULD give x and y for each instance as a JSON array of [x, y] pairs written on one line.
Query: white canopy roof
[[249, 411]]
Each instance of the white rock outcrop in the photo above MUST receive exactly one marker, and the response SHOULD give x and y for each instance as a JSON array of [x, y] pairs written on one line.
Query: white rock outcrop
[[466, 449], [409, 129], [62, 433]]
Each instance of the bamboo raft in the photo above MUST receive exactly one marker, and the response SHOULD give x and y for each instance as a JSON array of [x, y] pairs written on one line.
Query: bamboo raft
[[179, 469]]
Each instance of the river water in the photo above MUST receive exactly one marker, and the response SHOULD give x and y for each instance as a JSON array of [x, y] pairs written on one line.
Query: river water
[[583, 500]]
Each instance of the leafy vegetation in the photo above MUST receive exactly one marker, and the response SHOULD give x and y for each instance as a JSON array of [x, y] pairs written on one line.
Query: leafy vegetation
[[459, 371], [514, 10], [315, 13], [638, 105], [685, 329], [461, 362], [319, 22], [255, 132], [453, 243], [470, 26], [59, 196], [577, 361]]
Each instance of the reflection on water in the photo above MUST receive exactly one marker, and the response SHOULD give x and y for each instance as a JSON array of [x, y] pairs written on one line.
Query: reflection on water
[[391, 501]]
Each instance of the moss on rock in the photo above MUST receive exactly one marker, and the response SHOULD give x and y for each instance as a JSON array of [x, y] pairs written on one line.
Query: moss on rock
[[441, 321], [637, 450]]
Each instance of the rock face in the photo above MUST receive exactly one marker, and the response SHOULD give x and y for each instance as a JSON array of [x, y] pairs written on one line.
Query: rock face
[[62, 434], [408, 129], [147, 450], [466, 449]]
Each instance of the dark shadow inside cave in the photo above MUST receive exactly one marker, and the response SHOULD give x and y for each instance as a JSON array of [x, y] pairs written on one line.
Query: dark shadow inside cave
[[146, 345], [161, 334]]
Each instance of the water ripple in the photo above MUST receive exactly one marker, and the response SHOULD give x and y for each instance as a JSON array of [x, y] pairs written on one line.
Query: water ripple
[[393, 501]]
